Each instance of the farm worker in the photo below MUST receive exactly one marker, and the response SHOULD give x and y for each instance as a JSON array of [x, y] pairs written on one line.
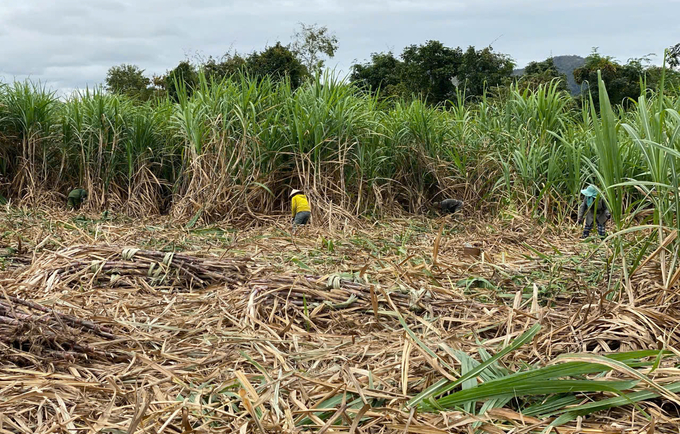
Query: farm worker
[[586, 209], [76, 198], [448, 206], [300, 207]]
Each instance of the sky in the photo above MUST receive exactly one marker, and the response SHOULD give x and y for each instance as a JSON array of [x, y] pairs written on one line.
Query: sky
[[70, 44]]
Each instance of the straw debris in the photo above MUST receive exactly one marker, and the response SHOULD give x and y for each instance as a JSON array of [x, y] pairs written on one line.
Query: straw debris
[[333, 331]]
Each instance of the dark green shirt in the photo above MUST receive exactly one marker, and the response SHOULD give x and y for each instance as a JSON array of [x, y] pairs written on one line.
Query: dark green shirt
[[78, 194]]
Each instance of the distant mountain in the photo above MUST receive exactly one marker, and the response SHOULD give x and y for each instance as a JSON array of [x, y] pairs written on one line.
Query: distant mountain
[[566, 65]]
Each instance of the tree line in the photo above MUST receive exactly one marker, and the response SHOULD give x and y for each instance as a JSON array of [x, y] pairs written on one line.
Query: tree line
[[431, 71], [296, 61]]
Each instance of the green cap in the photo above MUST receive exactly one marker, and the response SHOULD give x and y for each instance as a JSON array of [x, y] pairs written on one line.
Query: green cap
[[591, 191]]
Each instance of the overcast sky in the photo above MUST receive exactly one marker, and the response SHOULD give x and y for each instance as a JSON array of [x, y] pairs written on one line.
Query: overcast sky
[[71, 44]]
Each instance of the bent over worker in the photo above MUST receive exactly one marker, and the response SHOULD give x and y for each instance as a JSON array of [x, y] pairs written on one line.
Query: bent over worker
[[76, 198], [448, 206], [300, 208], [587, 209]]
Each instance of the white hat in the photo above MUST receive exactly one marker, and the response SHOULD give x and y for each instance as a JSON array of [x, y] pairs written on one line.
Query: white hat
[[293, 193]]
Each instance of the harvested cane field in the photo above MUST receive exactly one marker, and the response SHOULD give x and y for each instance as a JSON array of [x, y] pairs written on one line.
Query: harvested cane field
[[124, 326], [177, 300]]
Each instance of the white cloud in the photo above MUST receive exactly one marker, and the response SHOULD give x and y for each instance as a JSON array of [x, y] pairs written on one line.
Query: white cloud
[[71, 44]]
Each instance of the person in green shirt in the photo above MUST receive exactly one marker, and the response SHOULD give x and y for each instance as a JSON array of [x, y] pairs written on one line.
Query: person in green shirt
[[76, 198]]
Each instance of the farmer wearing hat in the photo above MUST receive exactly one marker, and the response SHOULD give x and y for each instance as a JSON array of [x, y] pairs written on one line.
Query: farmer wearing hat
[[76, 198], [300, 207], [586, 209], [448, 206]]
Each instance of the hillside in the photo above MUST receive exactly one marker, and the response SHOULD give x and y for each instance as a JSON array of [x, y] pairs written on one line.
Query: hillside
[[566, 65]]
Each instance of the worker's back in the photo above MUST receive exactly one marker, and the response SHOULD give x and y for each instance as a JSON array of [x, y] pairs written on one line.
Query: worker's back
[[78, 193], [76, 198], [299, 203], [450, 206]]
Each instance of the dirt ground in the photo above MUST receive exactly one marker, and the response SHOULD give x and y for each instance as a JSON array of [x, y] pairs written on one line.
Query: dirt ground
[[121, 326]]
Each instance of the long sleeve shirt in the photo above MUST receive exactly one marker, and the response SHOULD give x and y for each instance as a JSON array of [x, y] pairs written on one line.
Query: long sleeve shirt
[[299, 203], [602, 211]]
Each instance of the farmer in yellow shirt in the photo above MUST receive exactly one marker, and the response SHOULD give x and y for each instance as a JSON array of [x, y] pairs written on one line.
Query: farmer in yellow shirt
[[300, 207]]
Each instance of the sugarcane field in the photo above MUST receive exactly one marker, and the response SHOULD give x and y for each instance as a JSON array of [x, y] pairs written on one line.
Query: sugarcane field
[[257, 243], [131, 325]]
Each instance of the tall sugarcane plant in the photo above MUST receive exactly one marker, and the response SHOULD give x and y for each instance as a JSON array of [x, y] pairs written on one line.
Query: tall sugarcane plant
[[655, 129], [250, 137]]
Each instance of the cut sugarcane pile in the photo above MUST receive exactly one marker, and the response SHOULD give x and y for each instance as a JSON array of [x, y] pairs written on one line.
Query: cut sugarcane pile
[[96, 266], [32, 331]]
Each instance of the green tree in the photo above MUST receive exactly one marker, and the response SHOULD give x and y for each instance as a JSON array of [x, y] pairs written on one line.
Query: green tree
[[382, 73], [653, 76], [537, 73], [157, 87], [311, 43], [430, 69], [621, 81], [277, 62], [481, 69], [434, 71], [226, 66], [128, 80], [183, 75]]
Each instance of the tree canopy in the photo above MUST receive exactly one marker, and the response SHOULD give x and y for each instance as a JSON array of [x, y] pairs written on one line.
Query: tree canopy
[[277, 62], [431, 70], [483, 68], [184, 75], [434, 71], [538, 73], [381, 73], [311, 43], [622, 81], [226, 66], [128, 80]]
